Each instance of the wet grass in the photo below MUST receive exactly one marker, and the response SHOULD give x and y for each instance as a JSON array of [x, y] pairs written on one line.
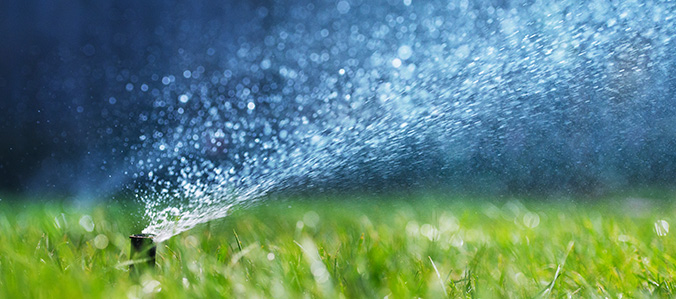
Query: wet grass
[[419, 247]]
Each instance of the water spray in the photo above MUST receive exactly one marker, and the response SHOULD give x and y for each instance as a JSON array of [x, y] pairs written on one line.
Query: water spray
[[142, 252], [402, 96]]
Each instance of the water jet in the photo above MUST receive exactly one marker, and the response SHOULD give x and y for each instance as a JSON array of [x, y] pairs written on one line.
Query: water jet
[[504, 102]]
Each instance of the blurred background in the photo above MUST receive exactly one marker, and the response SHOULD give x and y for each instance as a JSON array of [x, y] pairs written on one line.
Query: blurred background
[[80, 82], [67, 122]]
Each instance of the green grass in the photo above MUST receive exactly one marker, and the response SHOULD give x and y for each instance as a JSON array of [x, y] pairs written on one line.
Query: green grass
[[346, 248]]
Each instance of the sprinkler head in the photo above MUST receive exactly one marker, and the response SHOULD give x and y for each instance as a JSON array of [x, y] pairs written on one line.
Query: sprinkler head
[[142, 252]]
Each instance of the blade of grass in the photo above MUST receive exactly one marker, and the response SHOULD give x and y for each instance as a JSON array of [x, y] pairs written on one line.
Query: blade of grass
[[441, 281]]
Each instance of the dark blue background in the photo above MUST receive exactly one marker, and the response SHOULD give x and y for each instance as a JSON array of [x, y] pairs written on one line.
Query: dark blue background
[[68, 126]]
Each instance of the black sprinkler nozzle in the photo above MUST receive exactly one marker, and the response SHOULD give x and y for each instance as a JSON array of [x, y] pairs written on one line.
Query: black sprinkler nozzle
[[142, 252]]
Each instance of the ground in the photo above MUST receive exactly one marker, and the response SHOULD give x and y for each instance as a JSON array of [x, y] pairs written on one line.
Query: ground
[[418, 246]]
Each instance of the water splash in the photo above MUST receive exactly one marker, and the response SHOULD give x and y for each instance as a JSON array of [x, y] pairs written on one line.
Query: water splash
[[330, 94]]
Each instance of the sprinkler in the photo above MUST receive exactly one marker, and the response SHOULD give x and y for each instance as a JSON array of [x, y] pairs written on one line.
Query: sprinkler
[[142, 252]]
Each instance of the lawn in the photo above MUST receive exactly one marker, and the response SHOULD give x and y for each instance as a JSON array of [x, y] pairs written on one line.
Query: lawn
[[422, 246]]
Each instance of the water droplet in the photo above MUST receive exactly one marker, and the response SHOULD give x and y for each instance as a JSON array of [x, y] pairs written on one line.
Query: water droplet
[[661, 228], [101, 241], [183, 98], [343, 6], [531, 220], [404, 52], [87, 223], [396, 62]]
